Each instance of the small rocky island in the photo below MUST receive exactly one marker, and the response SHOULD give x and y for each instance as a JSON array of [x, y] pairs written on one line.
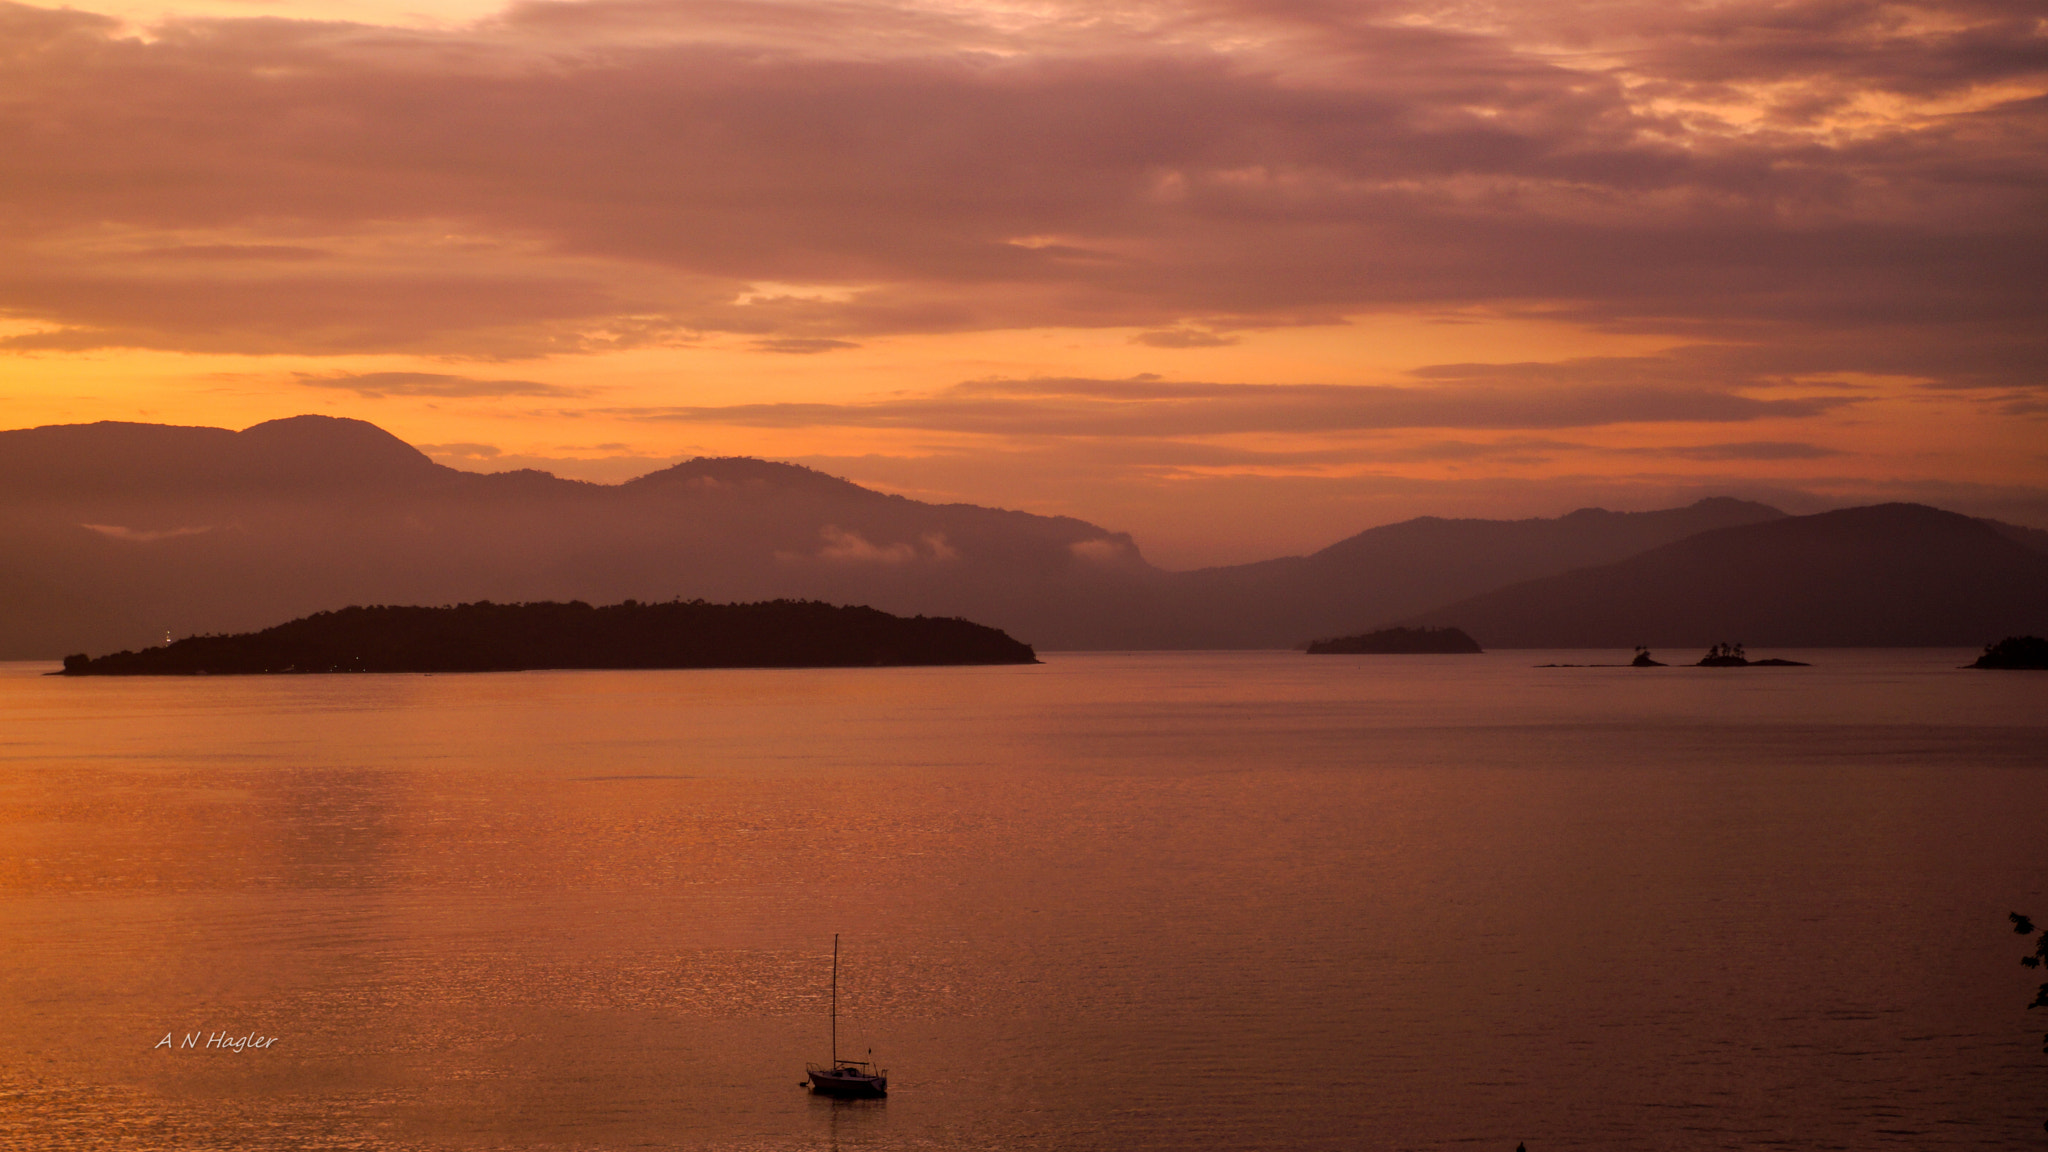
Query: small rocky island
[[2025, 652], [487, 637], [1397, 642], [1719, 656], [1732, 656]]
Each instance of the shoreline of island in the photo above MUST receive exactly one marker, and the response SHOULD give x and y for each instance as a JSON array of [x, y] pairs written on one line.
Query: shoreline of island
[[550, 635]]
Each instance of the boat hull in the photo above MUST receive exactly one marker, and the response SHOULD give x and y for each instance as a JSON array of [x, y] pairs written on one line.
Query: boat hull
[[849, 1084]]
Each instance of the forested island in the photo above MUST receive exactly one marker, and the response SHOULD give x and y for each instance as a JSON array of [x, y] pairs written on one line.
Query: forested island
[[487, 637], [2029, 652], [1397, 642], [1732, 656]]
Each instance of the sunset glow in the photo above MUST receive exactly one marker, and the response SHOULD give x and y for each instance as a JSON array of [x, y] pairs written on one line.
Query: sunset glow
[[1236, 278]]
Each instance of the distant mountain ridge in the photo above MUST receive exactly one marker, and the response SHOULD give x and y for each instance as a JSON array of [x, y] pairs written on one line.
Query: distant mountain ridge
[[113, 533], [297, 452], [1386, 573], [1885, 575]]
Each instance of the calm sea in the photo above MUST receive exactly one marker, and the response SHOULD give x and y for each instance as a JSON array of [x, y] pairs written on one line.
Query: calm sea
[[1208, 901]]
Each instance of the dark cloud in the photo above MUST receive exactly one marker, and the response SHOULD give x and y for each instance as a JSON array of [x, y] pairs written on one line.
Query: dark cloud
[[144, 535], [1826, 53], [1183, 338], [1524, 450], [376, 385], [284, 252], [620, 173], [2021, 404], [799, 346], [345, 313], [1150, 407], [1745, 450]]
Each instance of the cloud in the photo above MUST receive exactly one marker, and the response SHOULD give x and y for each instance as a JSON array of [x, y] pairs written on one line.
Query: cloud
[[1105, 550], [803, 347], [444, 453], [144, 535], [344, 312], [291, 253], [1183, 338], [1155, 408], [617, 464], [844, 547], [575, 177], [377, 385], [1747, 450], [1131, 457]]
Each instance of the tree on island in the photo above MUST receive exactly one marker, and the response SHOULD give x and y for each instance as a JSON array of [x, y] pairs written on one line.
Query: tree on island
[[2015, 652], [1724, 655], [1398, 641], [487, 637], [2025, 926]]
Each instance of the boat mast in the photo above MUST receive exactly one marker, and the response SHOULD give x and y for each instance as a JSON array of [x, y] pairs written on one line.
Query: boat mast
[[835, 999]]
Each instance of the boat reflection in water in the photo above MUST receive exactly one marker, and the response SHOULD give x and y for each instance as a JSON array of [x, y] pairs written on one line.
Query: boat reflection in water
[[858, 1079]]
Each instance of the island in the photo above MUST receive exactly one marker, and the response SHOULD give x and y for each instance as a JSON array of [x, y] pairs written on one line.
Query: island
[[1397, 642], [487, 637], [2024, 652], [1732, 656]]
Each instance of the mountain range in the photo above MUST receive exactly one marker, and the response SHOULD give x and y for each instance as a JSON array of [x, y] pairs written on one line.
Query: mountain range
[[113, 534], [1892, 574]]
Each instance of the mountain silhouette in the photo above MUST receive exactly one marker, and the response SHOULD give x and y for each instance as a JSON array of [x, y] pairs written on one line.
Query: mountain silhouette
[[1385, 573], [298, 453], [113, 533], [1884, 575], [1398, 642]]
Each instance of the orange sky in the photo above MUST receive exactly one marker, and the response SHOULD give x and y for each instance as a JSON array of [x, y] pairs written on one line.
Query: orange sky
[[1238, 278]]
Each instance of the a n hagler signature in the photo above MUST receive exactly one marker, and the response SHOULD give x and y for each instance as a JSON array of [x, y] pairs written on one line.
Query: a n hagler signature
[[215, 1041]]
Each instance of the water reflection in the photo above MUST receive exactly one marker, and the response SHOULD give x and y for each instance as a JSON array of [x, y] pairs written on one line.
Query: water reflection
[[1237, 901], [849, 1123]]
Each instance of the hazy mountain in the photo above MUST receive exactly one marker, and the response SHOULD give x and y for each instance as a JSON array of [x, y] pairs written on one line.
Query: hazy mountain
[[1892, 574], [122, 461], [112, 534], [1383, 573], [2031, 538]]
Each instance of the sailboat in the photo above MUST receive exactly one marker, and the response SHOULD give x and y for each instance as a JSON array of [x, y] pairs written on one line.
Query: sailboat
[[845, 1077]]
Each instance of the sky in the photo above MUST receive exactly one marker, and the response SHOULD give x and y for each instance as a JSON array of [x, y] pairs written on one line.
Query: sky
[[1239, 278]]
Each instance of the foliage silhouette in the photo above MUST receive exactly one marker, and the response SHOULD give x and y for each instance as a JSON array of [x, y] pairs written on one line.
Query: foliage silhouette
[[1732, 656], [1397, 642], [487, 637], [2015, 652], [2025, 926]]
